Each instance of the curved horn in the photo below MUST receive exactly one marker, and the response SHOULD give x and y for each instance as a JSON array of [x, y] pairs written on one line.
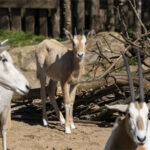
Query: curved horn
[[75, 31], [140, 77], [129, 77]]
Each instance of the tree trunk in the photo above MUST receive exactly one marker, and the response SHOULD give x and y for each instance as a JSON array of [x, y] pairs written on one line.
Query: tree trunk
[[110, 15], [137, 28], [95, 20], [67, 15]]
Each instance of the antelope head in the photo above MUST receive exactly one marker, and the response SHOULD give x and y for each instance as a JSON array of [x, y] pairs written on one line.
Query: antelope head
[[10, 77], [79, 43], [136, 120], [137, 112]]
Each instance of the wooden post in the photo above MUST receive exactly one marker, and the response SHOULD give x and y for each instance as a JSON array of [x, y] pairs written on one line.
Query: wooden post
[[80, 15], [56, 21], [124, 14], [103, 19], [4, 19], [95, 17], [30, 20], [110, 15], [16, 19], [43, 22], [67, 15], [137, 24], [131, 19]]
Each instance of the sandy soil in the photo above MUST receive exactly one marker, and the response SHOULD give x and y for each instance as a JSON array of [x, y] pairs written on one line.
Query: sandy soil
[[25, 136], [31, 135]]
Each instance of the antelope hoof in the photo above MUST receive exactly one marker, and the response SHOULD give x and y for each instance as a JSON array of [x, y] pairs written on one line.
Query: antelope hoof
[[45, 123], [72, 126], [62, 121], [67, 130]]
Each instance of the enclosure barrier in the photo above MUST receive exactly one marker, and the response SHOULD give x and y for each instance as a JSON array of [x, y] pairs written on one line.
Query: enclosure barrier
[[49, 17]]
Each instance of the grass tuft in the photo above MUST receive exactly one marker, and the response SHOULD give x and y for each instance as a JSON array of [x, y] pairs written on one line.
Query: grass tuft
[[19, 38]]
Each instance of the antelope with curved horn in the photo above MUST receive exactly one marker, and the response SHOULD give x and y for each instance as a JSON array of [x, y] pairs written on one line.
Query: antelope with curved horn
[[10, 80], [64, 65], [132, 132]]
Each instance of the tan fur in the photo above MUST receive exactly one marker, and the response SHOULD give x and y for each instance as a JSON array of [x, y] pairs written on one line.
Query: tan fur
[[60, 64], [138, 105], [140, 148], [140, 123]]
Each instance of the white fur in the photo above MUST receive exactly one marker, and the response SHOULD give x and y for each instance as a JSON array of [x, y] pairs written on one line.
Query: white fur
[[134, 113], [72, 126], [67, 130], [10, 77], [10, 80], [75, 40], [45, 123], [62, 121], [83, 41]]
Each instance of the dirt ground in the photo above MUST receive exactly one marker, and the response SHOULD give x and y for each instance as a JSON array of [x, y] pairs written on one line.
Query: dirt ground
[[31, 135], [24, 136]]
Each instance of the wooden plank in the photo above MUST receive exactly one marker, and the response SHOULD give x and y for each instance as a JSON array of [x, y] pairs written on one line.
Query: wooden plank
[[130, 18], [28, 3], [16, 19], [56, 21], [110, 15], [146, 18], [29, 20], [43, 22], [103, 18], [67, 15], [4, 19], [80, 15], [95, 19]]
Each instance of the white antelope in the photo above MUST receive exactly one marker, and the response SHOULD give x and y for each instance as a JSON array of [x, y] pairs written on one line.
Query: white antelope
[[10, 80], [64, 65], [132, 132]]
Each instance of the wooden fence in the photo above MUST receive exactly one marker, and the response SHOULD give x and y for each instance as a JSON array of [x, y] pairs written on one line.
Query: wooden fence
[[46, 17]]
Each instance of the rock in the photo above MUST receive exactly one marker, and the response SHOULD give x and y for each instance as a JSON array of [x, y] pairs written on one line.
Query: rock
[[24, 57]]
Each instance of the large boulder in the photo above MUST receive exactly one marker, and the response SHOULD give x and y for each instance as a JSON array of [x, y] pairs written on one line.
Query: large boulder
[[24, 57]]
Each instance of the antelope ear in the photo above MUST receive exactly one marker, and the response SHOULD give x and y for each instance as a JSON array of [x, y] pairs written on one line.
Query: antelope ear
[[90, 34], [3, 42], [3, 48], [118, 107], [68, 34]]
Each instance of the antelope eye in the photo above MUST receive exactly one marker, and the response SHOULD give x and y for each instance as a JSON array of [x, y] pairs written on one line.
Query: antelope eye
[[4, 59], [129, 115]]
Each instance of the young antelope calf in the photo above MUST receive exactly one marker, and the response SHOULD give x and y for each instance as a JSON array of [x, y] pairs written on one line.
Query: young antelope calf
[[64, 65], [132, 132]]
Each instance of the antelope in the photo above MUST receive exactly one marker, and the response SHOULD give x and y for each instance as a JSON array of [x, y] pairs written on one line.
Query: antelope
[[11, 80], [133, 131], [61, 64]]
